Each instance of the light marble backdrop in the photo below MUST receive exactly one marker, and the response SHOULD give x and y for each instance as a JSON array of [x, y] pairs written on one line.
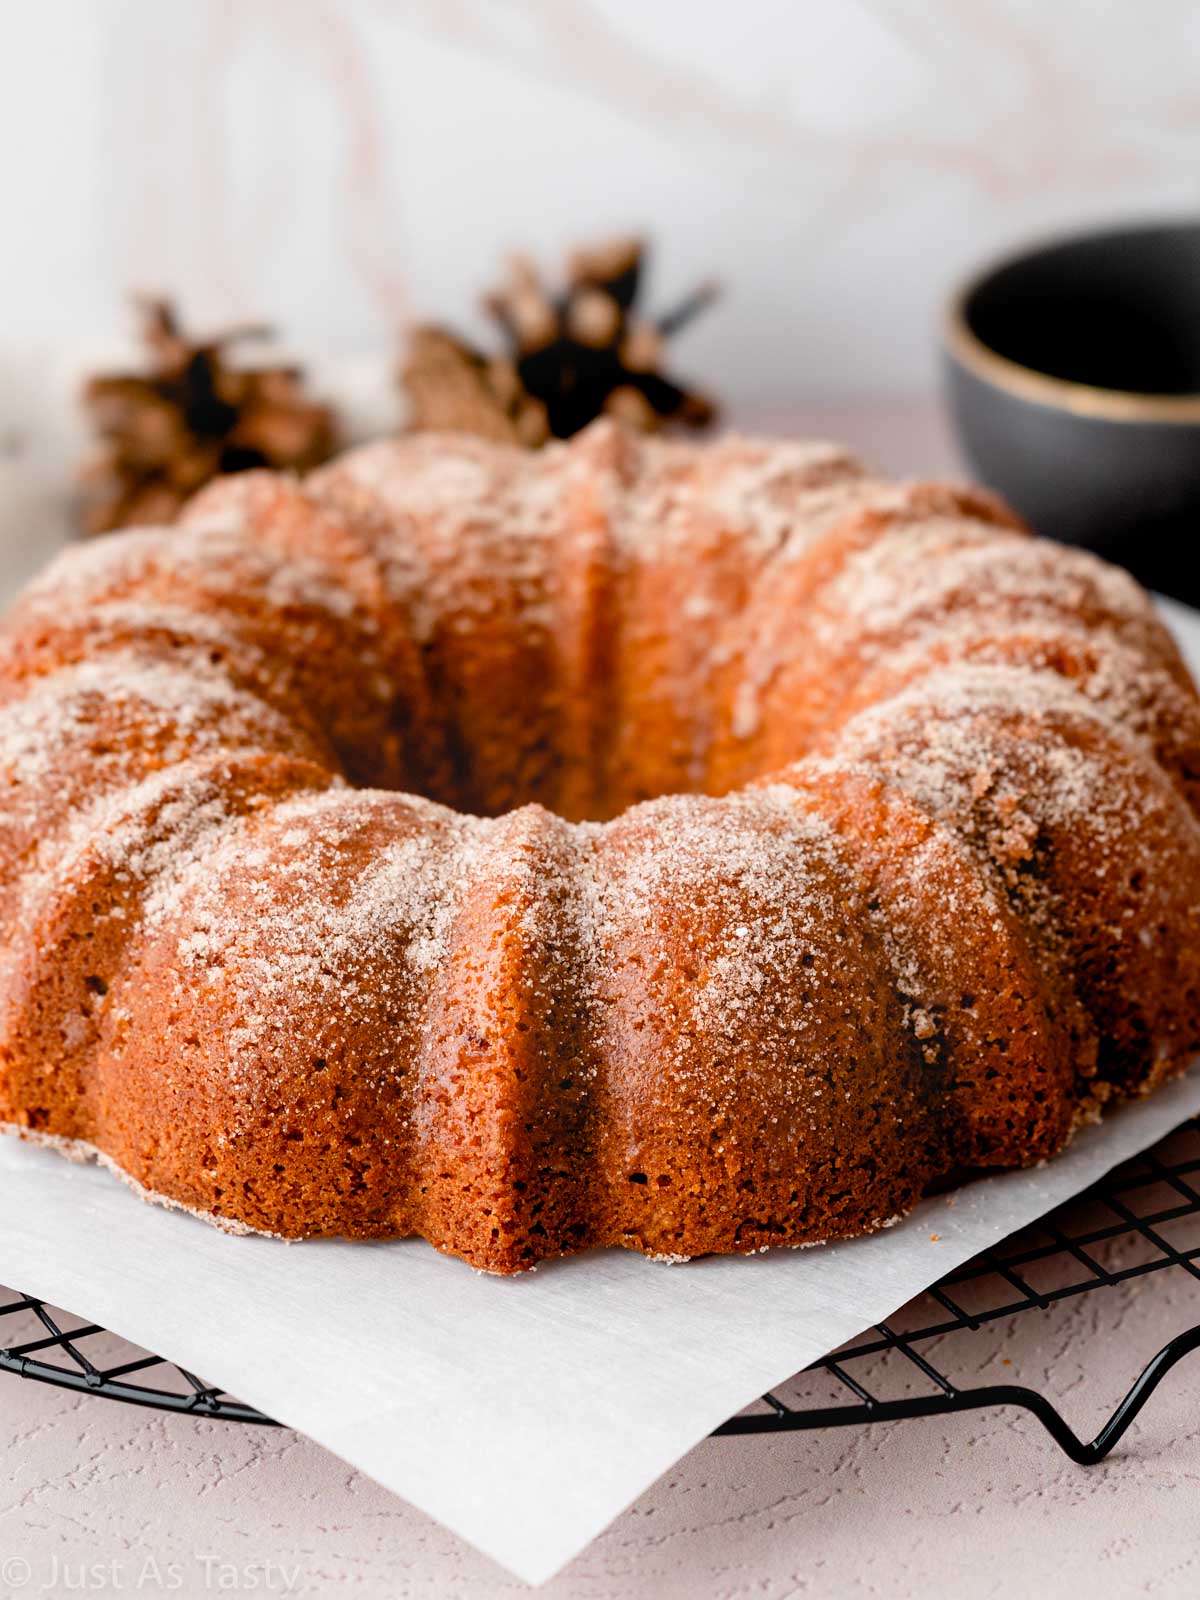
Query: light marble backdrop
[[340, 165]]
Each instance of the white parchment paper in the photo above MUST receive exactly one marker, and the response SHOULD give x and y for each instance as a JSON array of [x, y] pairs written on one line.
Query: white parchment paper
[[525, 1414]]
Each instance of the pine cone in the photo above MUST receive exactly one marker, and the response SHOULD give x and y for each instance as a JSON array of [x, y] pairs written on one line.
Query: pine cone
[[452, 387], [165, 432], [571, 357]]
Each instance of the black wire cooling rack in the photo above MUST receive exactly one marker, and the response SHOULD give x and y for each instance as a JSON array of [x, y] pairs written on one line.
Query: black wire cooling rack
[[1142, 1218]]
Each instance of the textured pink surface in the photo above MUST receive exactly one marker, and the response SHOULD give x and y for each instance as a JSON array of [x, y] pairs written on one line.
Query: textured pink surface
[[101, 1497], [968, 1506]]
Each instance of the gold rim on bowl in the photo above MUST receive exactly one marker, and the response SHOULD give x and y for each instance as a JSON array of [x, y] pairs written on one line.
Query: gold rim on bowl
[[1027, 383]]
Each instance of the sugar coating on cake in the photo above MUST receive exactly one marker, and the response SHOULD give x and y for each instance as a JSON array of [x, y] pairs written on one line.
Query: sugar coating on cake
[[693, 850]]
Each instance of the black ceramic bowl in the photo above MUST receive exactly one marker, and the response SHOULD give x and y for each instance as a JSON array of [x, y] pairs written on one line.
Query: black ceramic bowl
[[1073, 377]]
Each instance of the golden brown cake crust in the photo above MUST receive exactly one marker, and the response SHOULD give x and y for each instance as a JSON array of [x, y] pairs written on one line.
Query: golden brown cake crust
[[625, 844]]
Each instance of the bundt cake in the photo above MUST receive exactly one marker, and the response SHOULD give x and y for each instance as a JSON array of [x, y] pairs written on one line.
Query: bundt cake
[[624, 844]]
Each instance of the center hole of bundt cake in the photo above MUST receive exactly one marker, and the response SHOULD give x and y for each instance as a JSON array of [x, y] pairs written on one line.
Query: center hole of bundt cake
[[499, 732], [492, 777], [570, 796]]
